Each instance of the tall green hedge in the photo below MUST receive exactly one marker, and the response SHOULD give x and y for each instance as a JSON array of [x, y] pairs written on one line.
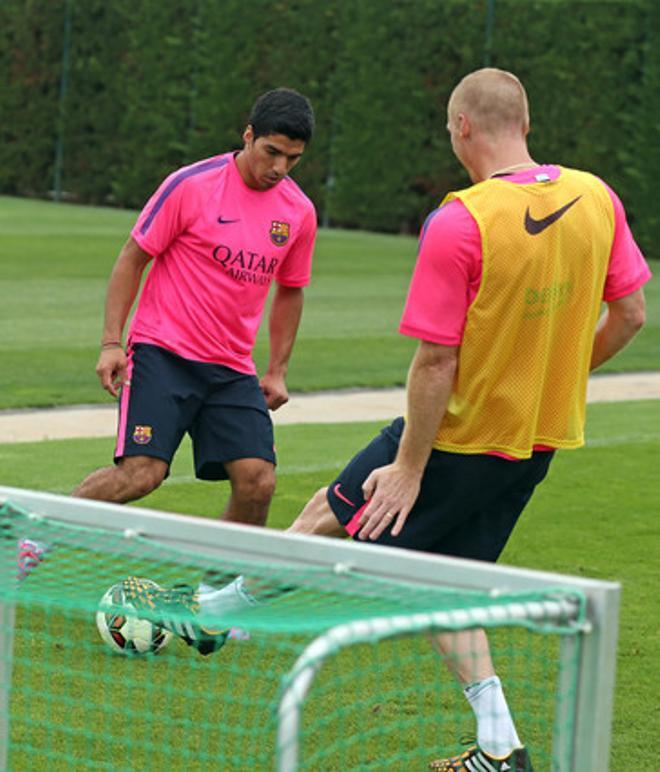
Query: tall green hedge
[[30, 57], [154, 85]]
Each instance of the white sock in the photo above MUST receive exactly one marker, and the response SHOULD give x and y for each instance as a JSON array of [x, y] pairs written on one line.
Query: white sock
[[231, 597], [496, 733]]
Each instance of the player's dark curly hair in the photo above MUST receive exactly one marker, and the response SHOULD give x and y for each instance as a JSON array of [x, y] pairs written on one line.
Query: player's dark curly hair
[[282, 111]]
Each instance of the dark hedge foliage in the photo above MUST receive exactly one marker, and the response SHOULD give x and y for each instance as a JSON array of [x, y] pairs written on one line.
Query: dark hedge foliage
[[154, 85]]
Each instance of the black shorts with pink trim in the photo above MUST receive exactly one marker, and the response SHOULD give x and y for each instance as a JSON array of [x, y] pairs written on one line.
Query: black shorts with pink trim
[[224, 412], [467, 507]]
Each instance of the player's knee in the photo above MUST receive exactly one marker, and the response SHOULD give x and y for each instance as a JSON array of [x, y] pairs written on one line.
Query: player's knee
[[320, 498], [143, 478], [317, 518], [255, 488], [314, 508], [145, 482]]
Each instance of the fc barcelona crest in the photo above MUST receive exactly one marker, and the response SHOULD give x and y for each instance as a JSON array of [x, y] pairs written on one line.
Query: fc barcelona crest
[[142, 435], [279, 232]]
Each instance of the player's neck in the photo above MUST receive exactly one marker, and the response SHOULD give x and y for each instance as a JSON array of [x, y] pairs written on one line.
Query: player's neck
[[505, 159], [493, 157], [244, 170], [512, 168]]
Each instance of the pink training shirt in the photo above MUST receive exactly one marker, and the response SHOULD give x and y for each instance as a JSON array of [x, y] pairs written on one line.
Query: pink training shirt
[[448, 270], [217, 247]]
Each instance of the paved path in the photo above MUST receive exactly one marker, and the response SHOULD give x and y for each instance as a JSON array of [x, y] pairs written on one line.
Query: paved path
[[320, 407]]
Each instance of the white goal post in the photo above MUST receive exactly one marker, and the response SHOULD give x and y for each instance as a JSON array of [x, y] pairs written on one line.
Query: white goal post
[[588, 747]]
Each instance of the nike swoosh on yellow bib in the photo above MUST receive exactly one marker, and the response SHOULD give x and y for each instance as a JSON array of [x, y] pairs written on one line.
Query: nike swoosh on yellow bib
[[534, 227]]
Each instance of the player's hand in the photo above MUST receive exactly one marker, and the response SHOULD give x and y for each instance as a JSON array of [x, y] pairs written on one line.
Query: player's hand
[[274, 390], [391, 492], [112, 370]]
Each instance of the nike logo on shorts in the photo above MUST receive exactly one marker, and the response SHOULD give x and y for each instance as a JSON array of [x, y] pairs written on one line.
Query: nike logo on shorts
[[341, 496], [534, 227]]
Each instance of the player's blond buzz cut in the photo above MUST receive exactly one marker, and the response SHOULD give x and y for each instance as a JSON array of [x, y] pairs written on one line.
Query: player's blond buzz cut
[[494, 100]]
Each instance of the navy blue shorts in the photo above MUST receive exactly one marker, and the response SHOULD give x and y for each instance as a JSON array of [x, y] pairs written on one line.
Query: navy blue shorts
[[224, 412], [467, 507]]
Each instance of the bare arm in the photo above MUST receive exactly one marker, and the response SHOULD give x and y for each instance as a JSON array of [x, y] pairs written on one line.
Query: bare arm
[[622, 319], [393, 489], [122, 290], [285, 313]]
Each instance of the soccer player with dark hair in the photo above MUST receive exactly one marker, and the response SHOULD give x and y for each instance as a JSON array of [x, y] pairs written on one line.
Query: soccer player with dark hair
[[217, 233]]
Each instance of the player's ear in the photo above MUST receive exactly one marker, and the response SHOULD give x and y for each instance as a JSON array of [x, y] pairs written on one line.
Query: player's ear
[[464, 126], [248, 135]]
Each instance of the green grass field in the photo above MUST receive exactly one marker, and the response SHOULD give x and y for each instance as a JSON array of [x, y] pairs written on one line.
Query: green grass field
[[56, 259], [594, 516]]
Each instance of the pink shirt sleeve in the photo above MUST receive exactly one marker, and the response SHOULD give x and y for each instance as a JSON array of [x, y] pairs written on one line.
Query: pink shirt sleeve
[[297, 268], [627, 271], [446, 277], [163, 217]]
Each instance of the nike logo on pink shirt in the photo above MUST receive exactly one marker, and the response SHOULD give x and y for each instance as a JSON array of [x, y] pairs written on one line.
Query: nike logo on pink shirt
[[224, 221]]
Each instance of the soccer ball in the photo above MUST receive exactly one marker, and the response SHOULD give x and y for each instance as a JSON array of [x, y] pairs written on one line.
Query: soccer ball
[[121, 628]]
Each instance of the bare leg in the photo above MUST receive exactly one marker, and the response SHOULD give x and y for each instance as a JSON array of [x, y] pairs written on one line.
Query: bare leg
[[131, 478], [317, 518], [252, 487], [466, 654]]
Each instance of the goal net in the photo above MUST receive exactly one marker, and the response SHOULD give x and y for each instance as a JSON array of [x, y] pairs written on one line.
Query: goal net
[[332, 670]]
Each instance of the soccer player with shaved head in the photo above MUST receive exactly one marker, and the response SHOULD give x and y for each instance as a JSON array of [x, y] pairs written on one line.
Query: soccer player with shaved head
[[505, 303]]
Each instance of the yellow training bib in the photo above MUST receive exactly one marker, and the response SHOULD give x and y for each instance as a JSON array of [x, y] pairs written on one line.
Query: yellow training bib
[[526, 350]]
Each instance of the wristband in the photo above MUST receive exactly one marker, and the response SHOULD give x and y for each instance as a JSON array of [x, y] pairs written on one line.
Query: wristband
[[110, 344]]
